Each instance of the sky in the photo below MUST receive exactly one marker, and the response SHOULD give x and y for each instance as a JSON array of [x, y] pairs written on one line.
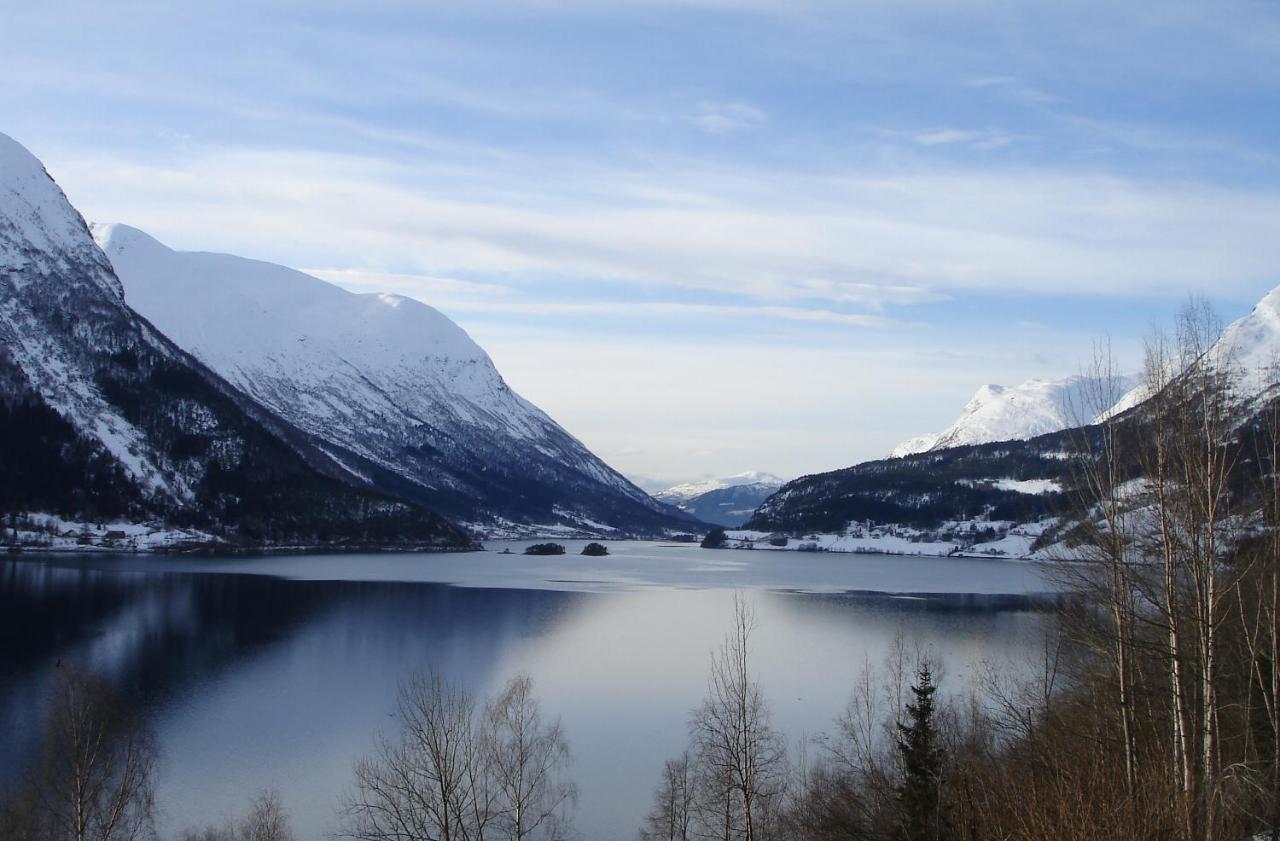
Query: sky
[[706, 236]]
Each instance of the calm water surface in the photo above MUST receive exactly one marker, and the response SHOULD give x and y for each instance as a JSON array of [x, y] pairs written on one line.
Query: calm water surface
[[281, 670]]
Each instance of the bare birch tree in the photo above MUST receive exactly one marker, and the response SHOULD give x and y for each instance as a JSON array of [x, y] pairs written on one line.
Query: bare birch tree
[[266, 820], [421, 785], [674, 809], [527, 758], [734, 740], [97, 779], [456, 773]]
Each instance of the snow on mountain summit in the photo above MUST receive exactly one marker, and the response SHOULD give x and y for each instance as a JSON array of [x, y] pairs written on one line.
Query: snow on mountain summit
[[386, 377], [1251, 343], [37, 222], [1002, 413], [688, 490], [107, 419]]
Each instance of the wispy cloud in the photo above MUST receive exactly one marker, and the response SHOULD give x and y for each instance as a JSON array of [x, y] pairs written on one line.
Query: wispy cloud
[[728, 117], [1013, 88], [983, 139], [459, 296], [889, 238]]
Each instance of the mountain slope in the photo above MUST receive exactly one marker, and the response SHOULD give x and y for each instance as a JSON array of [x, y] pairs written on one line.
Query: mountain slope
[[1021, 479], [1036, 407], [1015, 481], [101, 415], [1251, 344], [677, 494], [728, 501], [387, 378], [731, 506]]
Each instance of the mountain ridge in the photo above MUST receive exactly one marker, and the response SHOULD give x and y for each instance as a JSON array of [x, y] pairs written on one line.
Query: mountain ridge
[[1033, 407], [103, 415], [388, 378]]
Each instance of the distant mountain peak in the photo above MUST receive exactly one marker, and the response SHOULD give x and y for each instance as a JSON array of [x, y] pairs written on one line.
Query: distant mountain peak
[[40, 231], [1035, 407], [688, 490]]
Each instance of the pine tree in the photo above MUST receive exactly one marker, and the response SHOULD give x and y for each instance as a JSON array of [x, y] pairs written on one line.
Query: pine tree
[[919, 795]]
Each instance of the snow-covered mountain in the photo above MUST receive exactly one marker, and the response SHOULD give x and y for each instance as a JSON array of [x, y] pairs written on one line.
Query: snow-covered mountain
[[1251, 344], [677, 494], [386, 377], [102, 416], [728, 501], [731, 506], [1036, 407]]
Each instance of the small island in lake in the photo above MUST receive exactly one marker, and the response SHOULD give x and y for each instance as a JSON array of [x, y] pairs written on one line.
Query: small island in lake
[[595, 549], [544, 549]]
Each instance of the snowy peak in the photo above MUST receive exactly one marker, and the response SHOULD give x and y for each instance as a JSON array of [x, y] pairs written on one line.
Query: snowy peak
[[41, 234], [684, 492], [1036, 407], [1252, 345], [985, 396], [192, 291]]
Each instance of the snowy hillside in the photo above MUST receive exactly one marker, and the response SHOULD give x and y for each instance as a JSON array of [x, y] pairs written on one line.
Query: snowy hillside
[[1036, 407], [386, 377], [49, 263], [102, 416], [1252, 345], [684, 492]]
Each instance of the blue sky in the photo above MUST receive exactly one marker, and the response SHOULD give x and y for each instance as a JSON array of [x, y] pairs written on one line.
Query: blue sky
[[705, 236]]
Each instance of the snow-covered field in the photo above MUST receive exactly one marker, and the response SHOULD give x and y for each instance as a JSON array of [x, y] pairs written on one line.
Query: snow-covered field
[[962, 538], [49, 532]]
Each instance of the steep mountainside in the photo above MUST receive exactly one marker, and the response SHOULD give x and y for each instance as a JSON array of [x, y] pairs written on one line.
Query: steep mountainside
[[387, 378], [102, 416], [1001, 413], [1252, 345]]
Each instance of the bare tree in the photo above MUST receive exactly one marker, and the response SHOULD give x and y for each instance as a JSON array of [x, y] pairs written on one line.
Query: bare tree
[[458, 774], [735, 743], [1103, 562], [96, 779], [1258, 594], [431, 782], [527, 758], [673, 812], [266, 820]]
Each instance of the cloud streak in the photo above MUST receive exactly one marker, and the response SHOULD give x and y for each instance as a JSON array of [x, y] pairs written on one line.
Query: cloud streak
[[869, 240]]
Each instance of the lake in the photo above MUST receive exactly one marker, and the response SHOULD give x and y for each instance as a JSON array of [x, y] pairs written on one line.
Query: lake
[[280, 670]]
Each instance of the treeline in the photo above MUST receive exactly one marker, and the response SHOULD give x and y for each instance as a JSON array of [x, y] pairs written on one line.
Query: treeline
[[456, 770], [923, 490], [1155, 710]]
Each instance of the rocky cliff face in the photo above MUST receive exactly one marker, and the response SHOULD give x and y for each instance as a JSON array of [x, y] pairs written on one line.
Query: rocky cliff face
[[102, 415]]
